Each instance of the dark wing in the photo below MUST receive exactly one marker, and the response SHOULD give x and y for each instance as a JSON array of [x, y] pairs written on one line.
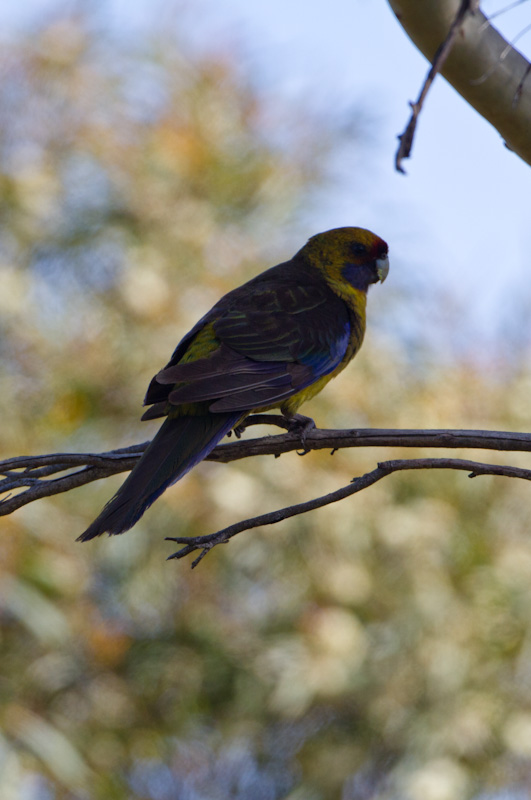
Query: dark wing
[[276, 336]]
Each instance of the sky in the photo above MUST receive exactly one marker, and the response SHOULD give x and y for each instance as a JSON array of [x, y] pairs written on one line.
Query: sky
[[460, 218]]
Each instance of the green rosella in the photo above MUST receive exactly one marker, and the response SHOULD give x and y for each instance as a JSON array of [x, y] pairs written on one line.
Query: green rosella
[[272, 343]]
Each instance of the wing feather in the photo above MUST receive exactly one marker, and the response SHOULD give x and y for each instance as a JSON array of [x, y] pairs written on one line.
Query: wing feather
[[275, 336]]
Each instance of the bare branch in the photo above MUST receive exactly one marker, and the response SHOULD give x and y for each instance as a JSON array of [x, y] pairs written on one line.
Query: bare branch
[[330, 439], [205, 543], [36, 468], [487, 71], [442, 53], [29, 478]]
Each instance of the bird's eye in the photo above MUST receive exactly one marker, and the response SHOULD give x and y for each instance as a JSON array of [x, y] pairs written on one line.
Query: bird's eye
[[358, 249]]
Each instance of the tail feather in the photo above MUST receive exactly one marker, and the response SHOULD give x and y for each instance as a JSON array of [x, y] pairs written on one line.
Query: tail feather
[[179, 445]]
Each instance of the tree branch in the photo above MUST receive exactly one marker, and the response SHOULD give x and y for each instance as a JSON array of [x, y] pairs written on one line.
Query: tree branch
[[384, 468], [487, 71], [29, 478], [32, 473], [442, 53]]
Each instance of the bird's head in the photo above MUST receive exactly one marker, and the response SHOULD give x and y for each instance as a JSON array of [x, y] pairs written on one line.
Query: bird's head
[[352, 256]]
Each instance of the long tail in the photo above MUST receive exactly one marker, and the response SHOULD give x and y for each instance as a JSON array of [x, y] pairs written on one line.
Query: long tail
[[177, 447]]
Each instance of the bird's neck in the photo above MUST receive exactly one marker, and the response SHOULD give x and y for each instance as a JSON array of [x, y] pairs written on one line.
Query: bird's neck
[[355, 298], [333, 273]]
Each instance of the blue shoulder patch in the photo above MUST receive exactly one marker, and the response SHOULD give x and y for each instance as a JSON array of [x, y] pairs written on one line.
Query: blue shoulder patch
[[324, 362]]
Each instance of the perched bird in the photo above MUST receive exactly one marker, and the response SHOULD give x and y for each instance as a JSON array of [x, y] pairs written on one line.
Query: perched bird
[[272, 343]]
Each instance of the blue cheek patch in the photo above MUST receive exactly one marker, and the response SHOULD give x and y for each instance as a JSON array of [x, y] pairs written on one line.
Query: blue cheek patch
[[359, 277]]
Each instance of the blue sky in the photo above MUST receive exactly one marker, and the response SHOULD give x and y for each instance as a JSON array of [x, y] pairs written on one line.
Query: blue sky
[[461, 216]]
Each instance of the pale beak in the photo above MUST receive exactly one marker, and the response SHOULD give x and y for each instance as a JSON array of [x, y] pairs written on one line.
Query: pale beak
[[382, 267]]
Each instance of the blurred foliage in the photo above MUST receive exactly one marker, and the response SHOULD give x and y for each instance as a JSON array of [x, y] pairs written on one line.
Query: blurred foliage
[[379, 648]]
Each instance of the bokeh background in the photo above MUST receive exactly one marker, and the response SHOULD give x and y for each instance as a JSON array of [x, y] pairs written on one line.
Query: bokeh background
[[153, 156]]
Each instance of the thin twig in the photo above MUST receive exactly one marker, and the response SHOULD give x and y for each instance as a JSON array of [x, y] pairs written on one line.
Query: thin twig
[[406, 138], [384, 468], [503, 55], [29, 478], [520, 87]]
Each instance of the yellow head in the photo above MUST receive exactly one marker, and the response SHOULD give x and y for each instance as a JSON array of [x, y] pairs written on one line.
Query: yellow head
[[351, 256]]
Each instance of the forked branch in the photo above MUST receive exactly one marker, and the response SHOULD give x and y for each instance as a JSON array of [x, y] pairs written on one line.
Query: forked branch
[[29, 478], [205, 543]]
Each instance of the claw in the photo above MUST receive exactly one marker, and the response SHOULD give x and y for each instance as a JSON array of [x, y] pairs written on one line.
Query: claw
[[238, 430], [301, 425]]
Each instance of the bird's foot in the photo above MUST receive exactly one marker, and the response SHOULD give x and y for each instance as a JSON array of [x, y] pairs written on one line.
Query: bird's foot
[[302, 426], [239, 429], [260, 419]]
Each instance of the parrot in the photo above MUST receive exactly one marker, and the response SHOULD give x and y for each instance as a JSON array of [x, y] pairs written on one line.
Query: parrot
[[272, 343]]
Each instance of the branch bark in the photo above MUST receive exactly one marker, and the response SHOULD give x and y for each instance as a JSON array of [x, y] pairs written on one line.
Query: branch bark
[[29, 478], [205, 543], [487, 71]]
